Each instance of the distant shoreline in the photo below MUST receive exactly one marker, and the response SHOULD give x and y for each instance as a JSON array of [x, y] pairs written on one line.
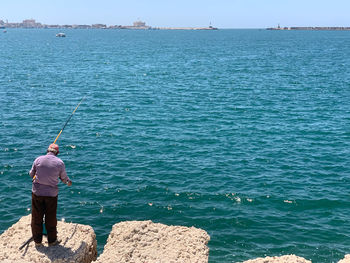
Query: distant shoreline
[[119, 28], [137, 25], [309, 28]]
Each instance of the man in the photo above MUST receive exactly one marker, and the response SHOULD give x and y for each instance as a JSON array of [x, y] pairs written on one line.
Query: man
[[45, 172]]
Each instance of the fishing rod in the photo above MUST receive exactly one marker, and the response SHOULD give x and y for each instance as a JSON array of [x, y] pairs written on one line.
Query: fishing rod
[[59, 134]]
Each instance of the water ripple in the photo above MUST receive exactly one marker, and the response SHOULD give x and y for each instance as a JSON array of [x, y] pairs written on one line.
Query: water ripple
[[244, 133]]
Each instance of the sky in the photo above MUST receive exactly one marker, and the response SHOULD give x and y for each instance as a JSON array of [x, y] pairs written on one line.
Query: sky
[[181, 13]]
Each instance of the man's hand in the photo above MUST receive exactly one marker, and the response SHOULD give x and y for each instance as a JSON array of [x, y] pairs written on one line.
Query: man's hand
[[69, 183]]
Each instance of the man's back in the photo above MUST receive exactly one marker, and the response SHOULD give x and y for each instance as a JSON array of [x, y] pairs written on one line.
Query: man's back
[[45, 173]]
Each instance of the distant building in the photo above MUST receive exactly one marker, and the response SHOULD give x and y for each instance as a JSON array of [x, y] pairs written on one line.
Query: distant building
[[30, 23], [81, 26], [13, 25], [52, 26], [139, 24], [136, 25], [116, 27], [98, 26]]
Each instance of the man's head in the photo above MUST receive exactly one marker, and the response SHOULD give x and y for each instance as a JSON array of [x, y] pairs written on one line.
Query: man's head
[[53, 148]]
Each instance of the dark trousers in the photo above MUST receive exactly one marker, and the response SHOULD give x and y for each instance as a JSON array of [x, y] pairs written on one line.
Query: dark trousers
[[44, 205]]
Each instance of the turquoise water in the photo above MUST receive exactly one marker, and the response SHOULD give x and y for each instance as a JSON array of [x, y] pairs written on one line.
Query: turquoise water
[[243, 133]]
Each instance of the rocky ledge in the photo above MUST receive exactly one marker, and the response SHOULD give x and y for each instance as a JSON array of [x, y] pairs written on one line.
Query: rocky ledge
[[78, 244], [345, 260], [131, 241], [145, 241], [282, 259], [289, 259]]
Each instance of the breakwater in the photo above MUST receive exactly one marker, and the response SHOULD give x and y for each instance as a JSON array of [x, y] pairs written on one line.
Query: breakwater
[[310, 28], [131, 241]]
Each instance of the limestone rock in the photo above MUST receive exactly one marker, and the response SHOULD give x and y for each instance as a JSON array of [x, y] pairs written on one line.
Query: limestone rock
[[346, 259], [145, 241], [282, 259], [78, 244]]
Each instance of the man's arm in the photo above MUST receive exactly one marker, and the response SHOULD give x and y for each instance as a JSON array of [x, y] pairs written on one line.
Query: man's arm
[[32, 171], [63, 176]]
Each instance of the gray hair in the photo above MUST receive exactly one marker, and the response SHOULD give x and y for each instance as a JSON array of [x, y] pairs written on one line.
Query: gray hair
[[53, 150]]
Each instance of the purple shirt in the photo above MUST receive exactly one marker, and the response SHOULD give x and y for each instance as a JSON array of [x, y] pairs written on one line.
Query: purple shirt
[[47, 169]]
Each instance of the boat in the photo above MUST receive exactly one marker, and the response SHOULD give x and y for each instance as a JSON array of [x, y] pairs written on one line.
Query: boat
[[61, 35]]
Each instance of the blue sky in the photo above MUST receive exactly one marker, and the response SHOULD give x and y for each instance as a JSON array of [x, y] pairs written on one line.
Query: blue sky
[[221, 13]]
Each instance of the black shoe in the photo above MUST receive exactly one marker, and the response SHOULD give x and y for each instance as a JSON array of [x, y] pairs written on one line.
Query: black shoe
[[55, 243]]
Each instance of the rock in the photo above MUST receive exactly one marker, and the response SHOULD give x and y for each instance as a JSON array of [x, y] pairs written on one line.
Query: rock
[[346, 259], [145, 241], [78, 244], [282, 259]]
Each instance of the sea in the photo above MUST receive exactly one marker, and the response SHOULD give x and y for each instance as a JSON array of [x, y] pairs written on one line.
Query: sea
[[243, 133]]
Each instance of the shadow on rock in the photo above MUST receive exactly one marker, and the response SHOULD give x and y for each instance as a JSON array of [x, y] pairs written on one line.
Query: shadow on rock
[[60, 252]]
